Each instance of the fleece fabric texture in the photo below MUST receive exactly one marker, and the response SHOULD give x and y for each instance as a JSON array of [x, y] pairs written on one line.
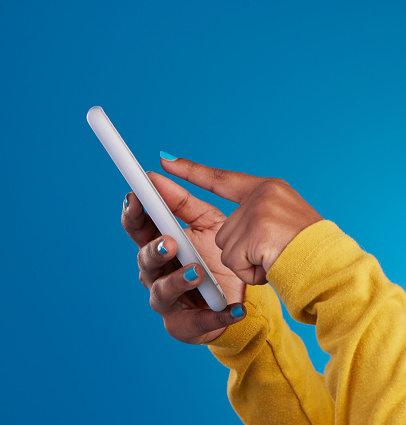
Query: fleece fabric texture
[[325, 279]]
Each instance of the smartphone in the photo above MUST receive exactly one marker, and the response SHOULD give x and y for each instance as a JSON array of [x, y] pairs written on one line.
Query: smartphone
[[153, 203]]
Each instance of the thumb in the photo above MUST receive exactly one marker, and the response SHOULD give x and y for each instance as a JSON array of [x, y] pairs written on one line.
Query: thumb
[[231, 185]]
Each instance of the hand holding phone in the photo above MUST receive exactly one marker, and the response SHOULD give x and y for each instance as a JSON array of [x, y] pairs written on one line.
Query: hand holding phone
[[153, 203]]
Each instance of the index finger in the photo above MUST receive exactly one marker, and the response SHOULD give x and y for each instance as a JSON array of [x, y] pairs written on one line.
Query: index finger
[[231, 185], [194, 212]]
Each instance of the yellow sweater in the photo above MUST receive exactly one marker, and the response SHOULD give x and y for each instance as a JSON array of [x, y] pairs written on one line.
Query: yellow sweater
[[324, 278]]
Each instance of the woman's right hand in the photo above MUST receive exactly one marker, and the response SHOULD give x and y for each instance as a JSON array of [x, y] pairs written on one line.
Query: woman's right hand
[[173, 292]]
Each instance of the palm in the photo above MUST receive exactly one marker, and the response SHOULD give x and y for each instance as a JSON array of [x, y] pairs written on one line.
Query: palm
[[203, 239], [233, 287], [203, 221]]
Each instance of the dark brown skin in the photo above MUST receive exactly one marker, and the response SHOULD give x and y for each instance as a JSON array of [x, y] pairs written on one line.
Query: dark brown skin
[[239, 250]]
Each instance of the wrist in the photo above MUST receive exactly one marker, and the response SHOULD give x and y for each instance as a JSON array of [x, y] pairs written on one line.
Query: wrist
[[274, 252], [305, 262]]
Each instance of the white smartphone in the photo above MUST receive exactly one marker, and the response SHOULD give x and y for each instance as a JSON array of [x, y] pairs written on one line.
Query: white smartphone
[[153, 203]]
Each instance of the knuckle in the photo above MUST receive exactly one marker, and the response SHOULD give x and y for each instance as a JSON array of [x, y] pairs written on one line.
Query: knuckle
[[182, 203], [268, 185], [124, 220], [133, 224], [147, 255], [143, 278], [219, 240], [219, 174], [141, 259], [151, 251], [221, 319], [225, 259], [172, 284], [155, 296], [278, 181], [233, 264], [283, 182], [191, 167], [274, 187], [152, 303]]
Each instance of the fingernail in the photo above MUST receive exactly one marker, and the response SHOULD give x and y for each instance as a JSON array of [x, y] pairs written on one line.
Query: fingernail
[[167, 156], [161, 248], [126, 203], [190, 274], [237, 311]]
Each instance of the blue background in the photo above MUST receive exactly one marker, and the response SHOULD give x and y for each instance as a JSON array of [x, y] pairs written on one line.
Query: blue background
[[313, 92]]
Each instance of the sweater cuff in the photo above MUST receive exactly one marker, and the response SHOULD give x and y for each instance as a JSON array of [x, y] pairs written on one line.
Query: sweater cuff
[[313, 255], [233, 340]]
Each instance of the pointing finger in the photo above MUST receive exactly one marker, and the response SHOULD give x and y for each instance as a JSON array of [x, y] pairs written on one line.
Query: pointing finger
[[230, 185], [191, 210]]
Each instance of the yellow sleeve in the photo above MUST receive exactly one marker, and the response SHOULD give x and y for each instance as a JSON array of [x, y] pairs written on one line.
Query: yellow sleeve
[[324, 278], [272, 380]]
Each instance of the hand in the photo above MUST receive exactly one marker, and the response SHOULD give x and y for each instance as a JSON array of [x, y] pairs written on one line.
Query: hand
[[185, 313], [270, 215]]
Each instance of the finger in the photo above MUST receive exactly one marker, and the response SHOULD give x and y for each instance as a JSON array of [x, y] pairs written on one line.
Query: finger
[[166, 291], [153, 257], [203, 321], [231, 227], [229, 245], [230, 185], [196, 213], [136, 222], [238, 259]]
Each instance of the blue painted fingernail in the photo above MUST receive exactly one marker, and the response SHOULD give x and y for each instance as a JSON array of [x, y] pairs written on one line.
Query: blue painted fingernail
[[161, 248], [167, 156], [190, 274], [237, 311], [126, 200]]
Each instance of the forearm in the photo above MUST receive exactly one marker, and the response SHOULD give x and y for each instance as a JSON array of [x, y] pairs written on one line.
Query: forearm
[[324, 278], [272, 380]]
